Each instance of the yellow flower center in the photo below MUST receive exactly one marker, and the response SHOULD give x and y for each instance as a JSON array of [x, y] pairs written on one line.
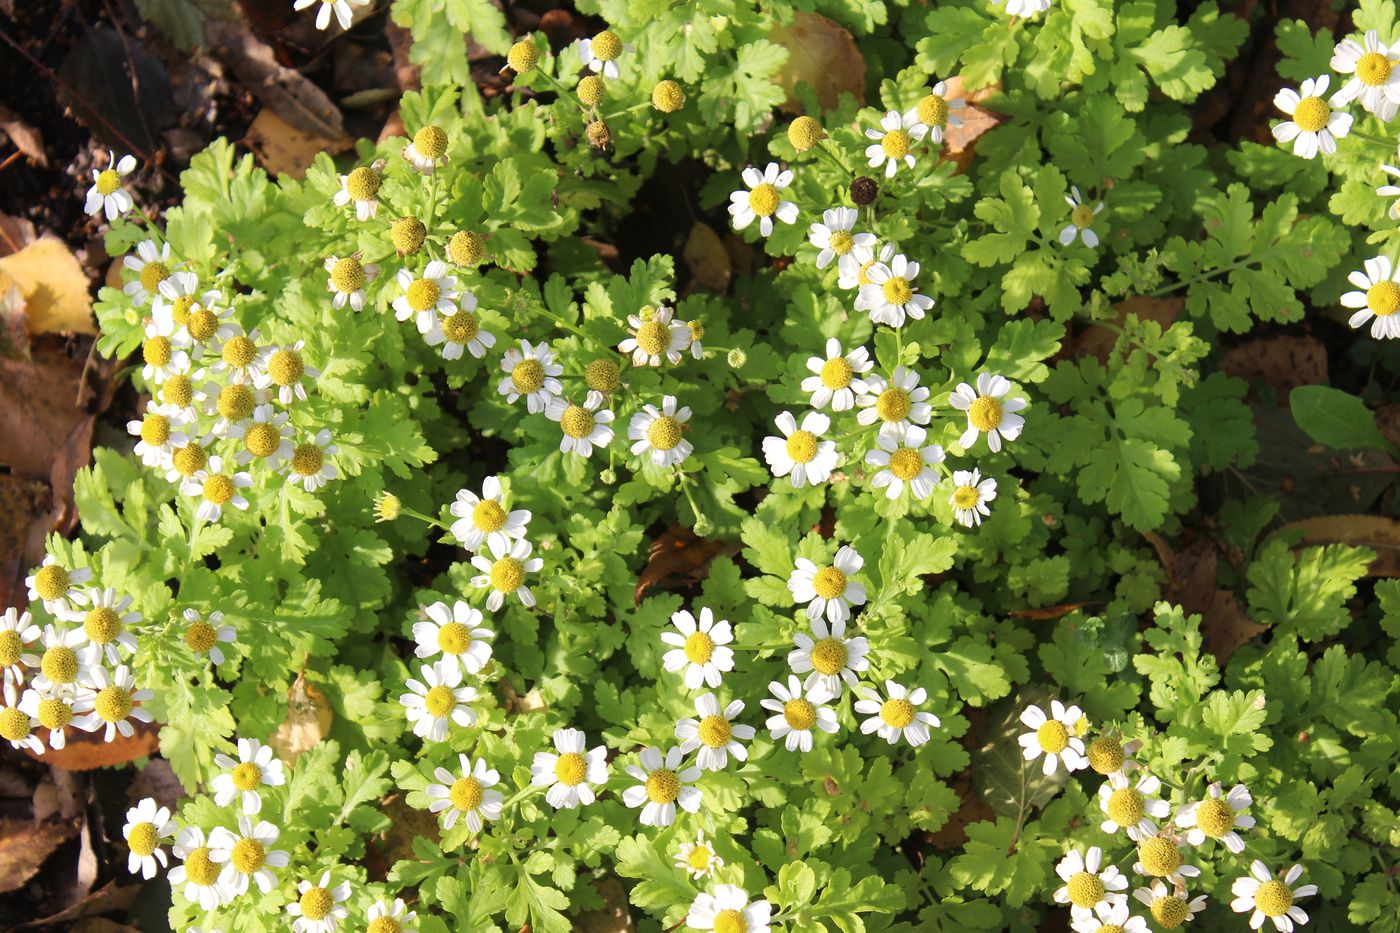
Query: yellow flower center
[[407, 234], [1311, 114], [102, 625], [829, 582], [488, 516], [348, 275], [108, 181], [603, 376], [966, 497], [247, 856], [239, 352], [893, 404], [802, 446], [664, 433], [861, 277], [307, 459], [837, 373], [730, 921], [200, 869], [316, 903], [218, 488], [178, 391], [454, 638], [1170, 911], [715, 731], [202, 324], [1125, 806], [663, 786], [840, 242], [699, 648], [1082, 216], [431, 142], [51, 581], [933, 110], [697, 330], [180, 309], [1372, 69], [1215, 817], [1383, 298], [1053, 737], [984, 413], [14, 724], [895, 143], [190, 459], [1085, 889], [800, 714], [764, 200], [262, 440], [699, 858], [576, 421], [60, 664], [591, 90], [113, 703], [528, 376], [606, 45], [804, 133], [906, 463], [1273, 898], [507, 574], [155, 430], [422, 294], [10, 647], [654, 338], [829, 656], [235, 401], [384, 925], [461, 327], [668, 97], [246, 776], [466, 248], [54, 713], [200, 636], [439, 701], [898, 713], [285, 367], [157, 351], [1159, 857], [363, 183], [466, 793], [152, 274], [1105, 754], [141, 839], [570, 769], [897, 290]]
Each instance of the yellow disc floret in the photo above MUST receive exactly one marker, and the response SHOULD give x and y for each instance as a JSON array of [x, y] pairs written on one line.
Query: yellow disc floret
[[239, 352], [667, 96], [1085, 889], [219, 488], [180, 309], [966, 497], [893, 404], [1372, 69], [699, 648], [439, 701], [200, 869], [804, 133], [384, 924], [235, 401], [407, 234], [466, 248], [1383, 298], [897, 712], [348, 275], [840, 242], [466, 793], [307, 459], [363, 183], [1125, 806], [200, 636], [246, 776], [829, 656], [157, 351], [933, 110], [654, 338], [699, 858], [178, 391], [430, 142], [454, 638], [141, 838], [261, 440], [1159, 856], [1105, 753], [603, 376], [461, 327], [102, 625], [802, 446], [606, 46], [829, 582], [1053, 737], [523, 56], [247, 856], [984, 413], [715, 731], [488, 516], [897, 290], [152, 274], [800, 714], [663, 786], [1082, 216], [1170, 911], [731, 921], [189, 460], [54, 713], [837, 373], [1311, 114], [316, 903], [10, 648], [906, 463], [202, 324], [570, 769], [591, 90], [764, 200], [895, 144], [1273, 898], [155, 429], [664, 433], [599, 134], [1215, 817], [576, 421], [108, 181], [422, 294], [51, 581], [528, 375], [507, 574], [60, 664], [14, 724]]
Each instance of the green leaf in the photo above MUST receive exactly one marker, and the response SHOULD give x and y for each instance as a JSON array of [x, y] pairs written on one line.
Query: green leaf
[[1335, 418]]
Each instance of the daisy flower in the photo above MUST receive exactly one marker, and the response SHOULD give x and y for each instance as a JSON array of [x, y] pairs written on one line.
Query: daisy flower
[[1109, 754], [835, 241], [242, 358], [1391, 191], [17, 631], [935, 111], [1131, 807], [427, 151], [700, 648], [347, 280], [1160, 856], [114, 703], [762, 199], [266, 436], [310, 465], [584, 426], [247, 856], [600, 53], [455, 633], [663, 786], [1378, 298], [896, 404], [728, 910], [152, 266], [865, 257], [1271, 898], [1375, 81], [437, 700], [1086, 888], [1053, 736], [391, 918], [505, 573], [836, 378], [200, 318], [892, 141], [694, 332], [54, 584], [570, 771], [285, 370], [344, 14], [827, 657], [320, 906], [699, 858], [159, 431], [660, 432], [197, 871], [890, 295], [162, 355], [16, 725], [425, 297], [216, 489], [256, 766], [233, 403], [461, 328], [988, 411], [971, 493], [1025, 8], [828, 591], [1217, 817], [1109, 918], [905, 462], [654, 335], [54, 707], [1170, 907], [1315, 123], [106, 624], [797, 712], [533, 373], [362, 187], [715, 734], [1081, 215], [61, 663], [107, 193], [467, 796], [799, 453], [146, 826], [483, 519], [896, 716]]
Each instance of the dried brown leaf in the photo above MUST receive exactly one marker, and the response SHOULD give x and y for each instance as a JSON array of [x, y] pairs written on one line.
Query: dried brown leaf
[[54, 286], [822, 54], [678, 555], [1377, 532], [85, 751], [707, 259], [284, 149], [25, 845], [308, 721]]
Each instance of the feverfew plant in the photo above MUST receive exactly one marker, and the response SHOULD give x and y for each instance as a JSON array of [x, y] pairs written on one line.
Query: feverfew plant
[[376, 562]]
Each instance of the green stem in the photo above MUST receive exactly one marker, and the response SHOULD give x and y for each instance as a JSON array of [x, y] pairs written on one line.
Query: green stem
[[1368, 138], [414, 513], [563, 323], [825, 146], [622, 113], [554, 83]]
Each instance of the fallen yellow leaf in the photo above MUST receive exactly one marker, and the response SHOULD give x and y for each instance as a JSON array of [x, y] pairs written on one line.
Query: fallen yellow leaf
[[54, 287], [309, 718]]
